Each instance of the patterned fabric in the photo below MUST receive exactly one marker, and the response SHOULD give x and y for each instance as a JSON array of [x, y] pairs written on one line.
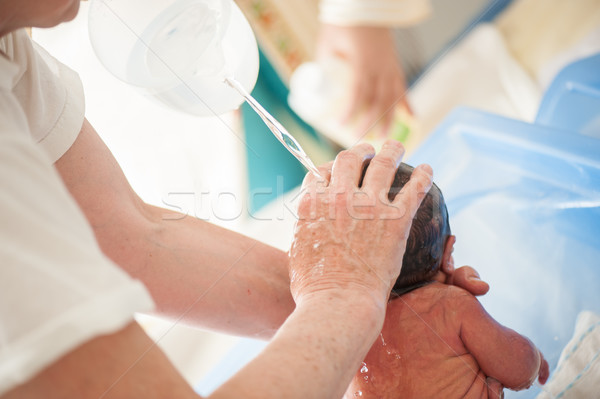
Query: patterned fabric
[[286, 30]]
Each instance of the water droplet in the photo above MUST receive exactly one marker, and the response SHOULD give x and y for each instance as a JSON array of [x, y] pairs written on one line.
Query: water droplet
[[357, 394], [291, 142], [364, 368]]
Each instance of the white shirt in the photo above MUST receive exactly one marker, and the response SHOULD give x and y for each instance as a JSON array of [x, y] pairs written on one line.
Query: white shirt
[[390, 13], [57, 289]]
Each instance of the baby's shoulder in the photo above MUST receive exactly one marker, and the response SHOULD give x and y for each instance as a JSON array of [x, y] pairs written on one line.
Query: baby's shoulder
[[451, 291], [456, 297]]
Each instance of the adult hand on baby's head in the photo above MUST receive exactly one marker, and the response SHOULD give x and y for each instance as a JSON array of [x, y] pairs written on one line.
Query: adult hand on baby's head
[[348, 239]]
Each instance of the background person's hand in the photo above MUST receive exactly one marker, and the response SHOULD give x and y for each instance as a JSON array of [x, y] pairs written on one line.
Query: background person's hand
[[379, 83], [349, 240]]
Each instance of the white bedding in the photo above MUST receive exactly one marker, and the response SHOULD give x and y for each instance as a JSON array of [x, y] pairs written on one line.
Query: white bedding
[[577, 374]]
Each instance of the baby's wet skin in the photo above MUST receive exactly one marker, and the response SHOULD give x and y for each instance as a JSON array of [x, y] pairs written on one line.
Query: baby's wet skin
[[420, 353]]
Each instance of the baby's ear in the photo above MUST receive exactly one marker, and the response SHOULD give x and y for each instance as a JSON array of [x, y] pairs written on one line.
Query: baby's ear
[[447, 259]]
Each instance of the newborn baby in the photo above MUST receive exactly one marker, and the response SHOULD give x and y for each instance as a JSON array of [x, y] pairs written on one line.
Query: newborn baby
[[437, 340]]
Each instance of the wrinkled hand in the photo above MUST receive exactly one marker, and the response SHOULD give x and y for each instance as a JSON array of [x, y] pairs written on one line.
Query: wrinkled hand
[[379, 83], [350, 239]]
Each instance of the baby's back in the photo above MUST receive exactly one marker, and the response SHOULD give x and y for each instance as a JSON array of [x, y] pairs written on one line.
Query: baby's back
[[419, 353]]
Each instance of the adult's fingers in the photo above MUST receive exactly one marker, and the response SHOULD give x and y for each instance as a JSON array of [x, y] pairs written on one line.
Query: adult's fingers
[[544, 371], [382, 168], [360, 93], [324, 170], [467, 278], [401, 99], [382, 110], [495, 388], [349, 164], [403, 102]]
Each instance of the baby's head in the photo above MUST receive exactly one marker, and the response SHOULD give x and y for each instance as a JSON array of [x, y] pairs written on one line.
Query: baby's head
[[428, 235]]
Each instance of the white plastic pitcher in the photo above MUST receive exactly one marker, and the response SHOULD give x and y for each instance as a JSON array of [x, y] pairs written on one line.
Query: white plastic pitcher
[[177, 51]]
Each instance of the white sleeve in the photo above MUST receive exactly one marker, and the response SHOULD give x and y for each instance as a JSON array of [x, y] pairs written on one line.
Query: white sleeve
[[391, 13], [57, 289], [50, 94]]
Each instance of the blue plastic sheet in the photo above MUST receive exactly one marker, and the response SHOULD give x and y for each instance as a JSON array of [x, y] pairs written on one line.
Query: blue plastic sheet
[[572, 101], [524, 203]]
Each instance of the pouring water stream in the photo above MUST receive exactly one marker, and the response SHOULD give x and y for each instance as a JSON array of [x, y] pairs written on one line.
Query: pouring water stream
[[288, 141]]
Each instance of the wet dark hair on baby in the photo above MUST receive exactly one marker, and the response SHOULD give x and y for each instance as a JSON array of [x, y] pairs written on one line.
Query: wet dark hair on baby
[[428, 234]]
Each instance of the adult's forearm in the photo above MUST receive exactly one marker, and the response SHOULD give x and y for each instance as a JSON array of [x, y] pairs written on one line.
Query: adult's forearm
[[215, 278], [123, 364], [210, 276], [315, 353]]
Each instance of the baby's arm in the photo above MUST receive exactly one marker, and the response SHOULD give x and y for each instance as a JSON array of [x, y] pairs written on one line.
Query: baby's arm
[[501, 352]]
